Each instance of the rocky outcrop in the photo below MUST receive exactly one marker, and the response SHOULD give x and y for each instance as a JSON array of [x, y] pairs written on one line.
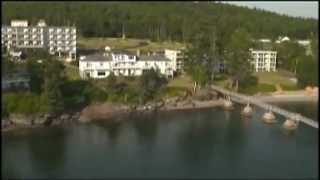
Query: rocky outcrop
[[205, 95], [103, 111], [35, 120], [5, 122], [21, 119]]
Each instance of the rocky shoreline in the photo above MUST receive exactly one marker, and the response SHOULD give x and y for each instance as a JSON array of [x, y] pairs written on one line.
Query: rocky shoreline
[[114, 111], [107, 111]]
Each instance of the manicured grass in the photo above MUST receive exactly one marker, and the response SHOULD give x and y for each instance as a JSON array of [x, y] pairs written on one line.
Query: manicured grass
[[289, 87], [129, 44], [260, 88], [172, 91], [184, 81], [279, 77]]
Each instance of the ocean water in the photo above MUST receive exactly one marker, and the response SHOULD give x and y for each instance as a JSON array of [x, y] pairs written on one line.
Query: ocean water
[[206, 143]]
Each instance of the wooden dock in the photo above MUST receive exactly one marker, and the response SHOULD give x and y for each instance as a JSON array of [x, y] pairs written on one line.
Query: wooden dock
[[240, 98]]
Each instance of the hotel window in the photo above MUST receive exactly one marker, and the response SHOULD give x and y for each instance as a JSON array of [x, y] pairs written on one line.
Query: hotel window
[[101, 73]]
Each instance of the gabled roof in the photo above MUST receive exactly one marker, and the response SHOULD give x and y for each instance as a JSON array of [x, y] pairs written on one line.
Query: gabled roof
[[97, 57], [153, 58], [121, 51]]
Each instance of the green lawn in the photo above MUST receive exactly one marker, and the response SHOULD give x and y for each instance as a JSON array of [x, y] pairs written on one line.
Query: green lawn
[[181, 81], [259, 88], [128, 43], [279, 77]]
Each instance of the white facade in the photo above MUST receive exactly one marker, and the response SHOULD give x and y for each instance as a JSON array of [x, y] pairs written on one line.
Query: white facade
[[264, 40], [176, 57], [304, 42], [282, 39], [58, 40], [19, 23], [264, 61], [126, 64]]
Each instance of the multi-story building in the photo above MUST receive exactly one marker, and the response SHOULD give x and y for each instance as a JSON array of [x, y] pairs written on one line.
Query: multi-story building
[[59, 40], [177, 57], [263, 61], [124, 63]]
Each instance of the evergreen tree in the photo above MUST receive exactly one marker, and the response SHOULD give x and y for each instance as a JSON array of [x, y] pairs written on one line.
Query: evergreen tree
[[150, 82], [53, 79], [237, 56]]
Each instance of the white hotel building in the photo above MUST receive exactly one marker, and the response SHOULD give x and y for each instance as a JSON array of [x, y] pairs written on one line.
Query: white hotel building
[[125, 63], [59, 40], [264, 61]]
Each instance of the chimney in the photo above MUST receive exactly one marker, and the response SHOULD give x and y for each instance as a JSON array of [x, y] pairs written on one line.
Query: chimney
[[138, 52]]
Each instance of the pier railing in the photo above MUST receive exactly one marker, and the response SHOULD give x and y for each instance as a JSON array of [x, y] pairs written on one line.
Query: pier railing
[[240, 98]]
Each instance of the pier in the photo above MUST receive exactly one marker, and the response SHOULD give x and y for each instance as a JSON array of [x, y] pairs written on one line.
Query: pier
[[243, 99]]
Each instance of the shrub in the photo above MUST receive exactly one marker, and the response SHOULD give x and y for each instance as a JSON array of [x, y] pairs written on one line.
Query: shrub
[[248, 81], [25, 103]]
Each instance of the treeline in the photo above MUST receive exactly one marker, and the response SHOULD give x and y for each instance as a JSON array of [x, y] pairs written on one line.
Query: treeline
[[177, 21]]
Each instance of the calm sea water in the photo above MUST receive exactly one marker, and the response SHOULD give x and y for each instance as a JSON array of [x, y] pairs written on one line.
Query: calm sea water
[[208, 143]]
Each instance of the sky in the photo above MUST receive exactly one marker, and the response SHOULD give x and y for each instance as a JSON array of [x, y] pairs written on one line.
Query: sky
[[291, 8]]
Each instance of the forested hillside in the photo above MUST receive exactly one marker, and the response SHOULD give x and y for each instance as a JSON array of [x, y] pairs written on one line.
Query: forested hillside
[[159, 20]]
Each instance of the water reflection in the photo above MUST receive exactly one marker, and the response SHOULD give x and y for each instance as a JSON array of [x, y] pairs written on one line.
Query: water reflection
[[236, 138], [10, 170], [201, 143], [47, 150], [227, 115], [146, 128], [112, 128], [197, 142]]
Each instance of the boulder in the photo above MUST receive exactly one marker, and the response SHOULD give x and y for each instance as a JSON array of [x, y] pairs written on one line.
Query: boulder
[[40, 119], [290, 124], [56, 121], [21, 119], [5, 122], [75, 116], [204, 94], [64, 117], [102, 111], [269, 118], [247, 111], [83, 119]]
